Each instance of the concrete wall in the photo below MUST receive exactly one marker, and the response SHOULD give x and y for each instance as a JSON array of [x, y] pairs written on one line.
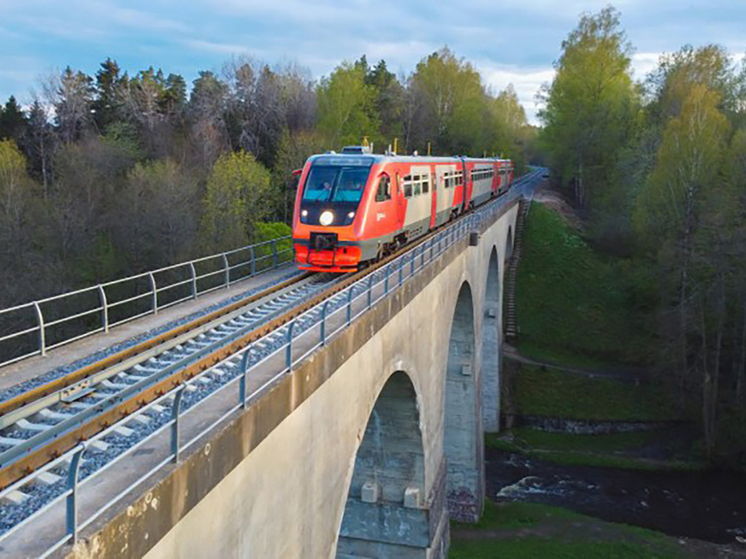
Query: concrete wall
[[279, 478]]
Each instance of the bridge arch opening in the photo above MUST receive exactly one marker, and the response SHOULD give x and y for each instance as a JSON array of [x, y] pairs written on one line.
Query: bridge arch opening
[[463, 441], [509, 245], [491, 348], [385, 513]]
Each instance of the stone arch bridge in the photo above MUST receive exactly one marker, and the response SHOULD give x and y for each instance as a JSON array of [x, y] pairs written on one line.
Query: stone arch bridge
[[365, 449]]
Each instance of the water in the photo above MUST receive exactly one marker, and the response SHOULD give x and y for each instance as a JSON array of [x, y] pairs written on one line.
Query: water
[[707, 505]]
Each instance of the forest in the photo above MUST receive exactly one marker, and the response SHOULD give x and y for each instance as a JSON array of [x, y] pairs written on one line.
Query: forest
[[658, 170], [113, 174]]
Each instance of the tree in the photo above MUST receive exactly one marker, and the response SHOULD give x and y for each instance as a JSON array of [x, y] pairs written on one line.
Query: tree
[[13, 121], [71, 94], [16, 197], [206, 112], [256, 118], [347, 106], [454, 105], [292, 154], [590, 106], [39, 144], [238, 195], [107, 105], [389, 101], [710, 65], [669, 208]]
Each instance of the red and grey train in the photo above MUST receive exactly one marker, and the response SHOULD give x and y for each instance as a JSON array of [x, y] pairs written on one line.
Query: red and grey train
[[354, 207]]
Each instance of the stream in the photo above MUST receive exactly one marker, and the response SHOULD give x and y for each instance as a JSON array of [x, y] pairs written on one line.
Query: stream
[[707, 505]]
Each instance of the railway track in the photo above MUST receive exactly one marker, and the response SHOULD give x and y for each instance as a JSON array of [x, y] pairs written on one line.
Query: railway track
[[50, 412], [39, 426]]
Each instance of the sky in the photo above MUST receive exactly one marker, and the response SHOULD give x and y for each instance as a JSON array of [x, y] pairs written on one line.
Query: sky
[[509, 41]]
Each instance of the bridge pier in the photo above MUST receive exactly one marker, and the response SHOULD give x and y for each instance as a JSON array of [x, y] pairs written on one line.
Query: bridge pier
[[463, 441]]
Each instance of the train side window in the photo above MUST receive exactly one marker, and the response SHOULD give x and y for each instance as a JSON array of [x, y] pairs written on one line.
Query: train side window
[[425, 184], [384, 189]]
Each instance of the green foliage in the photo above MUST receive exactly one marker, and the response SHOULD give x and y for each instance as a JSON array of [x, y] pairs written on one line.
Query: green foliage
[[689, 157], [238, 195], [570, 396], [13, 120], [592, 113], [273, 230], [564, 287], [346, 106], [454, 101]]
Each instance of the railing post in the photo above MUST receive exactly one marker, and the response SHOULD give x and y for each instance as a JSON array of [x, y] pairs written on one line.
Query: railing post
[[244, 382], [154, 289], [370, 291], [411, 263], [194, 280], [386, 280], [227, 270], [289, 350], [274, 253], [253, 260], [104, 308], [72, 499], [401, 272], [42, 333], [323, 323], [175, 416], [349, 306]]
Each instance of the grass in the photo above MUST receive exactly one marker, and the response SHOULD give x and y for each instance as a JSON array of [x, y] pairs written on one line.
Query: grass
[[558, 394], [524, 530], [606, 451], [573, 304], [517, 515]]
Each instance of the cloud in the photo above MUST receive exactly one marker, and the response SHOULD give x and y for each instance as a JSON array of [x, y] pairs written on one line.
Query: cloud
[[525, 81]]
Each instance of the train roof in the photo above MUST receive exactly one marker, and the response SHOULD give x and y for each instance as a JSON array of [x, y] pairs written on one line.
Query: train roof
[[368, 159]]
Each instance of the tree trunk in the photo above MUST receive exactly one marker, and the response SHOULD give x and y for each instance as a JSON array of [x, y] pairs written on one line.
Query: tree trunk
[[742, 363]]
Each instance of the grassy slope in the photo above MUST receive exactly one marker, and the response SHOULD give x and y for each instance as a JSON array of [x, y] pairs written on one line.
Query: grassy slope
[[573, 304], [558, 394], [529, 530]]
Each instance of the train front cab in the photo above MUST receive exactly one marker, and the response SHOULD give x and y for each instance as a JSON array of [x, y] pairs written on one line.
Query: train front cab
[[343, 208]]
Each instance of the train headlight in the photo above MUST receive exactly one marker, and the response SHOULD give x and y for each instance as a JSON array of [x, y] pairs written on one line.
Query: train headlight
[[326, 218], [351, 215], [304, 213]]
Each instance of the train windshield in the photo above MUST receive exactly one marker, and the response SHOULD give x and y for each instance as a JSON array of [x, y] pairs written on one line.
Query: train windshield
[[327, 183]]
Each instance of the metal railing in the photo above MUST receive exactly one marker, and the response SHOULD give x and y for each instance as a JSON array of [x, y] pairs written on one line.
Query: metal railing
[[65, 318], [300, 340]]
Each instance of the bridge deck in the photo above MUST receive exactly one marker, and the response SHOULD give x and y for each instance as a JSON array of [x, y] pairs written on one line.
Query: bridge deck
[[68, 355]]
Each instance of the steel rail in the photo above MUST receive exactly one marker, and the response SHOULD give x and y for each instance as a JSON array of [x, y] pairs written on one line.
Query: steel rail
[[83, 373]]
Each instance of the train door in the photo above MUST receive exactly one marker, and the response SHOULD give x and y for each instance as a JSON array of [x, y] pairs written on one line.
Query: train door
[[401, 204], [433, 181], [465, 186]]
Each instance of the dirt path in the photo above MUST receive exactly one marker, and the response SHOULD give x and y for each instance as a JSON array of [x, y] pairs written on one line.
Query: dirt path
[[623, 374]]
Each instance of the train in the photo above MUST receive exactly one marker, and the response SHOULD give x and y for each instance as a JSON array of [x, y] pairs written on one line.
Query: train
[[354, 207]]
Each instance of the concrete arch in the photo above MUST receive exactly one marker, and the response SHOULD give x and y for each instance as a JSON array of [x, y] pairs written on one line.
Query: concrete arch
[[384, 514], [463, 442], [491, 345], [509, 244]]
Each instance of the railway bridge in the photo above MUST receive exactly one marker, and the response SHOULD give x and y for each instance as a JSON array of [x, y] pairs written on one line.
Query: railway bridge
[[363, 446]]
